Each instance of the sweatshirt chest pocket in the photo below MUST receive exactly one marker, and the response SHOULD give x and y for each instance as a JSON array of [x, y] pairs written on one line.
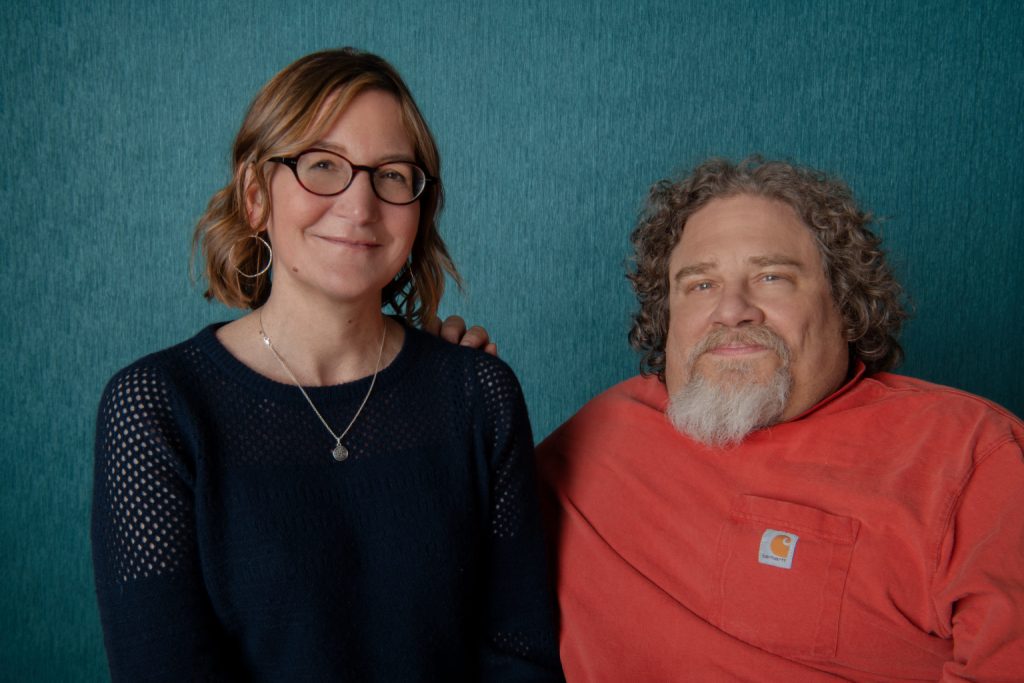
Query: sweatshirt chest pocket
[[782, 571]]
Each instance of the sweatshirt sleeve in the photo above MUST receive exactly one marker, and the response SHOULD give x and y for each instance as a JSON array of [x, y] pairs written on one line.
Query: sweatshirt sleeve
[[519, 642], [979, 588], [157, 620]]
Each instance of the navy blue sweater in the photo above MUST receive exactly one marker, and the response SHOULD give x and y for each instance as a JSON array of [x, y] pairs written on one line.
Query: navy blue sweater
[[229, 545]]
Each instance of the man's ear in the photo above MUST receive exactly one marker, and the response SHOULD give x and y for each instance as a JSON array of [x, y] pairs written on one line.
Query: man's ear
[[254, 200]]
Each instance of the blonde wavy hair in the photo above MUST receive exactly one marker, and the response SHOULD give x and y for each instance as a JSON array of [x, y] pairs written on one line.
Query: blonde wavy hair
[[288, 114], [863, 286]]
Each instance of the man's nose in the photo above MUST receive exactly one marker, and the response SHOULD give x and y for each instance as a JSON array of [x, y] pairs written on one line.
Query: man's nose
[[736, 307]]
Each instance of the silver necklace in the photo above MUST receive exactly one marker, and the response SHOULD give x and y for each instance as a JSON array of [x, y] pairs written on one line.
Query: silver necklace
[[339, 452]]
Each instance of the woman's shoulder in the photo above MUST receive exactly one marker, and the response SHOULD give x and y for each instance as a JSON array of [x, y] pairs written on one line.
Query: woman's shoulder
[[163, 370], [144, 412], [479, 370]]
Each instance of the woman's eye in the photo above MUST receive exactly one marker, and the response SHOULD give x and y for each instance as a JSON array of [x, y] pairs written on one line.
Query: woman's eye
[[323, 166], [390, 175], [701, 287]]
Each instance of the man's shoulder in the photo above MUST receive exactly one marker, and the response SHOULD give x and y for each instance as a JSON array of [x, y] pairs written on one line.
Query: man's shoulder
[[938, 418], [890, 386], [646, 389], [614, 413], [638, 394]]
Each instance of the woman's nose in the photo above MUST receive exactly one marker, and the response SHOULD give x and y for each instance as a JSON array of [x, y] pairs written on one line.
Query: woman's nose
[[358, 202]]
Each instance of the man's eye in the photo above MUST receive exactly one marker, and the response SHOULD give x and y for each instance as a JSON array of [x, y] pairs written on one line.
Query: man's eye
[[701, 287]]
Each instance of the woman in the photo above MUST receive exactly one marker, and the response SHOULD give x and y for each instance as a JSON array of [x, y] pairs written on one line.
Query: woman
[[316, 491]]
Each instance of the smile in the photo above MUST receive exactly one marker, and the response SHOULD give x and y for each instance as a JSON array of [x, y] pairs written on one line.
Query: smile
[[738, 349], [349, 243]]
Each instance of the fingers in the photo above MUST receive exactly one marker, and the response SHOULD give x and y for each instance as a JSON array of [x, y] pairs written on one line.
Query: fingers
[[453, 329], [475, 338]]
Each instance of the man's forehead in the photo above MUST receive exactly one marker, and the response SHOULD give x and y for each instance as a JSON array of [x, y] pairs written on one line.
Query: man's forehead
[[771, 260], [746, 229]]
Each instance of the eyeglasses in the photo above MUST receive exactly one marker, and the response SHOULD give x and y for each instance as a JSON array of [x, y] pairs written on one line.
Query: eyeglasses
[[327, 174]]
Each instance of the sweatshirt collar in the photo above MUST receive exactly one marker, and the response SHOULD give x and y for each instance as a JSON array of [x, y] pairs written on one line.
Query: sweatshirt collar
[[858, 371], [660, 396]]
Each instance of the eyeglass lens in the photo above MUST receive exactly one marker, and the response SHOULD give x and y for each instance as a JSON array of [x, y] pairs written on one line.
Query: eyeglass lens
[[326, 173]]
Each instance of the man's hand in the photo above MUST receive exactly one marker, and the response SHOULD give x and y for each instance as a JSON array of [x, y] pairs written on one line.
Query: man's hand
[[453, 330]]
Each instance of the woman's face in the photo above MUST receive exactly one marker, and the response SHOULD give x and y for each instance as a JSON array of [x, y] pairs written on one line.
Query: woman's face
[[345, 248]]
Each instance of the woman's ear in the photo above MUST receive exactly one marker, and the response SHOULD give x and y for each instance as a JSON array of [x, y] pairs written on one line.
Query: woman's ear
[[254, 200]]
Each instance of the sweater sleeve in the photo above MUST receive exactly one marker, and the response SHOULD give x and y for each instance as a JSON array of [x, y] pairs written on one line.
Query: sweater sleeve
[[519, 642], [979, 590], [157, 620]]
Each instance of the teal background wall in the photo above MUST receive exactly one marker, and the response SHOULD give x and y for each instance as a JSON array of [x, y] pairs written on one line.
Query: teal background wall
[[553, 119]]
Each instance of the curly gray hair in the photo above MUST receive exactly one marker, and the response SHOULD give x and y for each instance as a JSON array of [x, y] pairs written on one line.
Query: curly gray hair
[[863, 286]]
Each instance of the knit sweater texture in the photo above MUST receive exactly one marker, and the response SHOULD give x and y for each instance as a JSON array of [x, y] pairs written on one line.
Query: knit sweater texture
[[229, 545]]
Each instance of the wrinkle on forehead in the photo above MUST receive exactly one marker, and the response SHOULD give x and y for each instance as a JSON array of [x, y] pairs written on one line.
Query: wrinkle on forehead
[[765, 261]]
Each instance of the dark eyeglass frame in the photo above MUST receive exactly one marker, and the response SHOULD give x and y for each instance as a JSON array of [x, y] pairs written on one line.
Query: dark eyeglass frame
[[293, 163]]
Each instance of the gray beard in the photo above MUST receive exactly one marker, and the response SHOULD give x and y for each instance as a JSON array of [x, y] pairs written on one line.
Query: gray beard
[[721, 415]]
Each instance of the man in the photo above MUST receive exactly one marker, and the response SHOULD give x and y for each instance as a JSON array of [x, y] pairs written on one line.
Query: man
[[767, 502]]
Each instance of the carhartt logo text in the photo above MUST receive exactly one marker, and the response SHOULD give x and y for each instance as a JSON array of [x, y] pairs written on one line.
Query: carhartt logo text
[[777, 548]]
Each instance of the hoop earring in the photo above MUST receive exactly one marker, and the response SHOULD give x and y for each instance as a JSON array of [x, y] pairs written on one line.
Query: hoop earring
[[265, 268]]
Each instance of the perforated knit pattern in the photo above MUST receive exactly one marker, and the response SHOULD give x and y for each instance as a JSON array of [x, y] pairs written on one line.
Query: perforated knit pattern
[[220, 516], [145, 500], [500, 392], [513, 643]]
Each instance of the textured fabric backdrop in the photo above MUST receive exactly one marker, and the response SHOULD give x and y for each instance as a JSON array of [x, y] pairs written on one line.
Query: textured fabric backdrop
[[553, 119]]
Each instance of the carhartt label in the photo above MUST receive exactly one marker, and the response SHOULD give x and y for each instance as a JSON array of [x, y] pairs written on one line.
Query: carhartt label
[[777, 548]]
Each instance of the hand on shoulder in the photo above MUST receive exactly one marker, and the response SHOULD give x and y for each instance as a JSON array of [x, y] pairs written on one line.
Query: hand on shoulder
[[453, 330]]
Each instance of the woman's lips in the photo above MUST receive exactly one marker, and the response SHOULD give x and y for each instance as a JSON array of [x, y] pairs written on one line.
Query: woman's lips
[[346, 242]]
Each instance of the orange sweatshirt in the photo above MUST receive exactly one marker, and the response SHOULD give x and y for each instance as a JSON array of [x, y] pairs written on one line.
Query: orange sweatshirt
[[877, 537]]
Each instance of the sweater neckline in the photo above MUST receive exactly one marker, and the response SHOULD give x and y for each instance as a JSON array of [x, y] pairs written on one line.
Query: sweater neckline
[[242, 374]]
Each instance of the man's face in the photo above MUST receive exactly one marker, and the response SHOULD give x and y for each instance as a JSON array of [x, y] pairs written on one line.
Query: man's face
[[746, 289]]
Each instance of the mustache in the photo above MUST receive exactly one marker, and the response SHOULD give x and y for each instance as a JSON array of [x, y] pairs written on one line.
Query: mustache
[[759, 335]]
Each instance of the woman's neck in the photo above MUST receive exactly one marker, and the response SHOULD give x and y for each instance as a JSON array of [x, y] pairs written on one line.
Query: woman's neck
[[327, 344]]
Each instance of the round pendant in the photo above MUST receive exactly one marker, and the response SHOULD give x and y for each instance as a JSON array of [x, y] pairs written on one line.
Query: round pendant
[[340, 452]]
